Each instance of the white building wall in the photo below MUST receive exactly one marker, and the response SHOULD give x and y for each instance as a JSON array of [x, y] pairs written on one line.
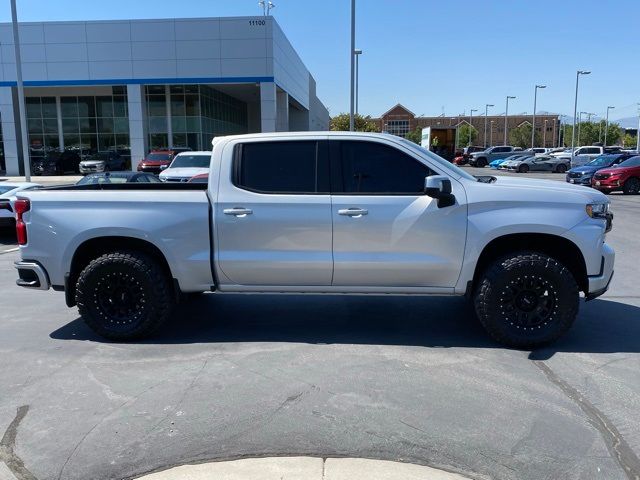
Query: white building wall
[[137, 124], [9, 138]]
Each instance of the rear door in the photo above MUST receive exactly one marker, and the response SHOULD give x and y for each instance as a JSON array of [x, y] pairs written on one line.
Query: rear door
[[386, 231], [273, 215]]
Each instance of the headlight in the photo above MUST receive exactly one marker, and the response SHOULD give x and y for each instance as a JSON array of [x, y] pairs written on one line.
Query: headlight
[[597, 210], [162, 167]]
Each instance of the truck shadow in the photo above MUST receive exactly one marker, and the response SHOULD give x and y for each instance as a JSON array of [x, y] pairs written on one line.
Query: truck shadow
[[602, 326]]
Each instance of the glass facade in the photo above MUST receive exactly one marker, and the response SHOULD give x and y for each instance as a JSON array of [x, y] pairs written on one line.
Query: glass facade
[[90, 124], [198, 113]]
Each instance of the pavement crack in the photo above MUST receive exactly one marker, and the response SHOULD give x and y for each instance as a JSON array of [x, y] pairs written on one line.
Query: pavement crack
[[613, 439], [8, 444]]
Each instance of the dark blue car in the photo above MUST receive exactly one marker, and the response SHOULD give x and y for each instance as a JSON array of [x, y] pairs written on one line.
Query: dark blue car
[[582, 175]]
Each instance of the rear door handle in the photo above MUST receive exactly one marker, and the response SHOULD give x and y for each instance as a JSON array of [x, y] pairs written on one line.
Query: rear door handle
[[238, 212], [353, 212]]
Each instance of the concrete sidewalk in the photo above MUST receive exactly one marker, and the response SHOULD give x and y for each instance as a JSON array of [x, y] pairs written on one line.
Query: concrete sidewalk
[[45, 179], [303, 468]]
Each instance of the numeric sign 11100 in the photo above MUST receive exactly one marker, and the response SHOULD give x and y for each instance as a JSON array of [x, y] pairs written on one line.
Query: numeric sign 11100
[[256, 22]]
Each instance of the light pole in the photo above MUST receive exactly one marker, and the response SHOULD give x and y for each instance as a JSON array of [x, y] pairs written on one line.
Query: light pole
[[352, 53], [580, 125], [606, 127], [506, 116], [544, 135], [357, 52], [471, 126], [575, 112], [533, 123], [638, 131], [21, 106], [486, 112]]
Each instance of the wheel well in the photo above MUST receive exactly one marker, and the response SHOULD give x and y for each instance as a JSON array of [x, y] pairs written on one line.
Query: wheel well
[[563, 250], [95, 247]]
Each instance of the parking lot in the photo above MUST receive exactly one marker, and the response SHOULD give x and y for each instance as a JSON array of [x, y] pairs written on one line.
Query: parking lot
[[413, 379]]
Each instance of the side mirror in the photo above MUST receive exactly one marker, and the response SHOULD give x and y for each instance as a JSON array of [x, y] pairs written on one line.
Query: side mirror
[[439, 187]]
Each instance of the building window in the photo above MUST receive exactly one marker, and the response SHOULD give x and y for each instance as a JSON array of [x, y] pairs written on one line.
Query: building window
[[399, 128], [198, 113]]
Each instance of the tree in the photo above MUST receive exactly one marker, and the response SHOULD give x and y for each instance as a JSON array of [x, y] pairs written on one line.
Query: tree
[[466, 135], [361, 124], [629, 141], [521, 136], [415, 135]]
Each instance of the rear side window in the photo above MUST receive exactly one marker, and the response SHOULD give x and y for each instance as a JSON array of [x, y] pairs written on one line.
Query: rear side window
[[278, 167], [374, 168]]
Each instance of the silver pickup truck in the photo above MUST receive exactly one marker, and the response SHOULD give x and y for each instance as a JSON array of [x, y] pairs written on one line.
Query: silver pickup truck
[[366, 214], [484, 158]]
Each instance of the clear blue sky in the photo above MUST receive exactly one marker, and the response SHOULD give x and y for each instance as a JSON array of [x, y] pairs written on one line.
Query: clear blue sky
[[433, 54]]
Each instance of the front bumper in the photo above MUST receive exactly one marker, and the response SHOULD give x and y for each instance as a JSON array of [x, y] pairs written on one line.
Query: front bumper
[[585, 181], [599, 284], [91, 169], [151, 169], [32, 275]]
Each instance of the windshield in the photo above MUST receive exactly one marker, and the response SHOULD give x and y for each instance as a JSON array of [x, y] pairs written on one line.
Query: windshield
[[98, 156], [158, 157], [630, 162], [104, 178], [191, 161], [6, 188], [603, 160], [453, 169]]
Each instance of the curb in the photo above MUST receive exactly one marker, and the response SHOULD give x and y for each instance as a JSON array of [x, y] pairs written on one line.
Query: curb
[[303, 468]]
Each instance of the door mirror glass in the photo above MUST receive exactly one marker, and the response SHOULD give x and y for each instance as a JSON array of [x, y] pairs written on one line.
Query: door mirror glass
[[436, 186]]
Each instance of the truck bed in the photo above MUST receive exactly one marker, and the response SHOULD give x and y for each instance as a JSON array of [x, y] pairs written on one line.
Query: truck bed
[[131, 186]]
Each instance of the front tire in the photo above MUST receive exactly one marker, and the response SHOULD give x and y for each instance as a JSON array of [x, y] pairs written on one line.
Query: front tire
[[526, 300], [561, 168], [481, 162], [523, 168], [124, 295], [631, 186]]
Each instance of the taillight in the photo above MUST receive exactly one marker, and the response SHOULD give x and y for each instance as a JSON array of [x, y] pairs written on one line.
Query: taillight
[[21, 206]]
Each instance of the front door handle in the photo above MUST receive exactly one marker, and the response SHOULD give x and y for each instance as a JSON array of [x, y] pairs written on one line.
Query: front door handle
[[353, 212], [238, 212]]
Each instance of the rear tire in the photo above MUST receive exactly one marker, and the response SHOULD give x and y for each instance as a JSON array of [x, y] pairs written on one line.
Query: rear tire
[[631, 186], [124, 295], [526, 300]]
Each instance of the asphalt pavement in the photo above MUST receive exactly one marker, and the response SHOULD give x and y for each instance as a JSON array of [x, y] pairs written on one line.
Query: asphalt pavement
[[405, 379]]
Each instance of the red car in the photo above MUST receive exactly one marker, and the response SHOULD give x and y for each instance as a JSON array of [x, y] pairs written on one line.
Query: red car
[[625, 177], [158, 160]]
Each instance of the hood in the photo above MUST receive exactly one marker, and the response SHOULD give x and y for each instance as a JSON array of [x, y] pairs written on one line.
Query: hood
[[92, 162], [585, 169], [183, 172], [543, 187], [611, 171]]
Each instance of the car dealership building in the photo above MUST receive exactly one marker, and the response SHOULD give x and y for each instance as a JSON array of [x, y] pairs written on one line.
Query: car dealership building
[[137, 85]]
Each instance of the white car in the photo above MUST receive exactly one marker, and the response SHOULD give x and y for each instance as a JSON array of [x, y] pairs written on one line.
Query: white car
[[186, 165], [8, 191]]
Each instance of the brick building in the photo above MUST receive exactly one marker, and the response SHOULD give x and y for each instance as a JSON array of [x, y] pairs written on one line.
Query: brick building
[[399, 120]]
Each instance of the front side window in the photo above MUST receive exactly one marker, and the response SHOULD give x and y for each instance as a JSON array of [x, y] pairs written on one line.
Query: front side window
[[374, 168], [277, 167], [631, 162]]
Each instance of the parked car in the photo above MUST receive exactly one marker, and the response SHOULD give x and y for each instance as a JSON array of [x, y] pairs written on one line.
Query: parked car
[[484, 158], [623, 177], [584, 174], [202, 178], [540, 163], [159, 159], [56, 163], [393, 217], [102, 162], [8, 192], [186, 165], [118, 177], [496, 163], [584, 155], [506, 165]]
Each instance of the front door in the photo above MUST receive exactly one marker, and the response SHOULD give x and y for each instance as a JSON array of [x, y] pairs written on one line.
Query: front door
[[273, 220], [386, 232]]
